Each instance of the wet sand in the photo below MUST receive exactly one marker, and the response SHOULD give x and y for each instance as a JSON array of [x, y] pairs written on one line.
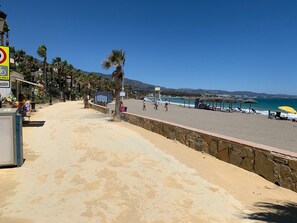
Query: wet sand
[[255, 128], [81, 167]]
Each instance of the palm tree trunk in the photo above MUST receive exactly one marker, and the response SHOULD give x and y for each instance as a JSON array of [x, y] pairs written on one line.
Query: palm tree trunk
[[45, 74], [70, 96], [117, 113]]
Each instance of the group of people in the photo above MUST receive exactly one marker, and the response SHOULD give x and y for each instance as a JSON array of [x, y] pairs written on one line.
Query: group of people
[[24, 105], [156, 105]]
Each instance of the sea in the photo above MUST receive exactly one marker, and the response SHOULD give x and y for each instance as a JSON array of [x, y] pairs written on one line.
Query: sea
[[262, 106]]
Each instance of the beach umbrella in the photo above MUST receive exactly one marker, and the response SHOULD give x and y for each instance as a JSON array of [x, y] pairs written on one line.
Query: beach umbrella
[[219, 100], [250, 101], [288, 109], [230, 101], [240, 101]]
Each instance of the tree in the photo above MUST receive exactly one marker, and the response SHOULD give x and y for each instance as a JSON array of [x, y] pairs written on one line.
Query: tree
[[42, 52], [116, 59], [56, 62]]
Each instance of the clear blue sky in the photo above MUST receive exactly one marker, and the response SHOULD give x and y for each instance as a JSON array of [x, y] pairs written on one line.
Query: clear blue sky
[[209, 44]]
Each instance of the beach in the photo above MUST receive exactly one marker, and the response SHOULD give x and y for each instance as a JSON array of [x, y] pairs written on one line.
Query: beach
[[260, 129], [81, 167]]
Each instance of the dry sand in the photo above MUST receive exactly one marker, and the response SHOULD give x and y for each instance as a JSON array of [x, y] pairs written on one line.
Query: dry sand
[[255, 128], [81, 167]]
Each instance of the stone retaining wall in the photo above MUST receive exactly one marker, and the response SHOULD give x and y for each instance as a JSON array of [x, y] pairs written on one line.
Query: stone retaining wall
[[275, 165], [99, 108]]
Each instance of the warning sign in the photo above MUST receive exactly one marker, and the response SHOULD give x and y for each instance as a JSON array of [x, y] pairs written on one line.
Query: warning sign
[[4, 63]]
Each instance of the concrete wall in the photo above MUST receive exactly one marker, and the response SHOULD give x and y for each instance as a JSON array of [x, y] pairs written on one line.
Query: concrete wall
[[275, 165], [99, 108]]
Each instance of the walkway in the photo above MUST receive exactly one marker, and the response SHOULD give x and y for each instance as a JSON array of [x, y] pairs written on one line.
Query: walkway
[[81, 167]]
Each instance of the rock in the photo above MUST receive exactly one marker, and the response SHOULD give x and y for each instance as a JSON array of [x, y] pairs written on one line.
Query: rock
[[293, 163], [264, 166], [213, 148], [248, 164]]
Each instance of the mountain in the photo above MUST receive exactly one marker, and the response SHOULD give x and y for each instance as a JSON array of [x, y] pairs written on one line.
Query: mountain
[[240, 94], [138, 85]]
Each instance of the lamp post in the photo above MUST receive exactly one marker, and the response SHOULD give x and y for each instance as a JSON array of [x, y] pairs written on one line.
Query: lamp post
[[68, 80], [38, 74], [33, 100], [2, 20], [50, 94]]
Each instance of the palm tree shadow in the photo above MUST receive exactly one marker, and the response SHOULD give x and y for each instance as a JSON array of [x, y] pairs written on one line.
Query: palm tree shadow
[[275, 213]]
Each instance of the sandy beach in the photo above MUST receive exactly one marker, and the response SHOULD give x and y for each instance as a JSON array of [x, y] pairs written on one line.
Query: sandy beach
[[255, 128], [82, 167]]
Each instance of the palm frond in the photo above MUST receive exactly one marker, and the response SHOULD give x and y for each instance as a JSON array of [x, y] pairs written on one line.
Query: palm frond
[[106, 64], [41, 51]]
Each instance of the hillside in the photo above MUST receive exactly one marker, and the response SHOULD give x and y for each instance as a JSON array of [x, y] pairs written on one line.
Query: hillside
[[138, 85]]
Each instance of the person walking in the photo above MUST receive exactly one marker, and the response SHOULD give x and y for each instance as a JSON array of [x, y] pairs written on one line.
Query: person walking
[[166, 105], [156, 104], [144, 106]]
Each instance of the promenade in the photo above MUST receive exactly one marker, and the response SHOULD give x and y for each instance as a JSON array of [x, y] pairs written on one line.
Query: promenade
[[280, 134], [81, 167]]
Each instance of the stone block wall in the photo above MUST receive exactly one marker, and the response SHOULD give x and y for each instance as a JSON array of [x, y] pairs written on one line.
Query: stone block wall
[[277, 166], [99, 108]]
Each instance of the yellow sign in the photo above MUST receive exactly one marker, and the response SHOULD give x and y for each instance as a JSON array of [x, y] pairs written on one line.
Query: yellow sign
[[157, 88], [4, 63]]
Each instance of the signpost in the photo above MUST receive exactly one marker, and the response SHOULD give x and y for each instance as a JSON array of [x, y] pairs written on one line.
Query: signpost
[[158, 90], [4, 67]]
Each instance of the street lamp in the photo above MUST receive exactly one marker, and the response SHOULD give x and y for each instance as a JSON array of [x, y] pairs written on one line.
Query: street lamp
[[38, 74], [69, 82], [2, 20]]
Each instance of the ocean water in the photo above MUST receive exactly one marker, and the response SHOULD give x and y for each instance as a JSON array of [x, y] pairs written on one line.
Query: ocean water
[[262, 106]]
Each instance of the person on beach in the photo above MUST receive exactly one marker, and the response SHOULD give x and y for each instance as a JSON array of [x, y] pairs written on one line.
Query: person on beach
[[144, 106], [166, 105], [156, 105]]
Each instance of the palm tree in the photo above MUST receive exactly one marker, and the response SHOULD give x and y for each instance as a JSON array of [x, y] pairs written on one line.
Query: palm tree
[[56, 62], [116, 59], [69, 72], [41, 51]]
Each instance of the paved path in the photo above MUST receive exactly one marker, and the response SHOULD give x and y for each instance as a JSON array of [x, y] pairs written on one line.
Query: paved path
[[81, 167]]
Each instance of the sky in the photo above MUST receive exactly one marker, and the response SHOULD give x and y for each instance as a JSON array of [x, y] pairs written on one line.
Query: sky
[[233, 45]]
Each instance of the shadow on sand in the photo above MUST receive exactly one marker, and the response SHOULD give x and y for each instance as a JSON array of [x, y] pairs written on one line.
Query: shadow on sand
[[275, 213], [33, 123]]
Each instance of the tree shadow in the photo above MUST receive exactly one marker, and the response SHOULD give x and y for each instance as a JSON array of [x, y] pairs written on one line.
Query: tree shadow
[[275, 213]]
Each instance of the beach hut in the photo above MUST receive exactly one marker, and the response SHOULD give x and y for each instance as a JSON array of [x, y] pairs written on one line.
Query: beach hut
[[250, 101]]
